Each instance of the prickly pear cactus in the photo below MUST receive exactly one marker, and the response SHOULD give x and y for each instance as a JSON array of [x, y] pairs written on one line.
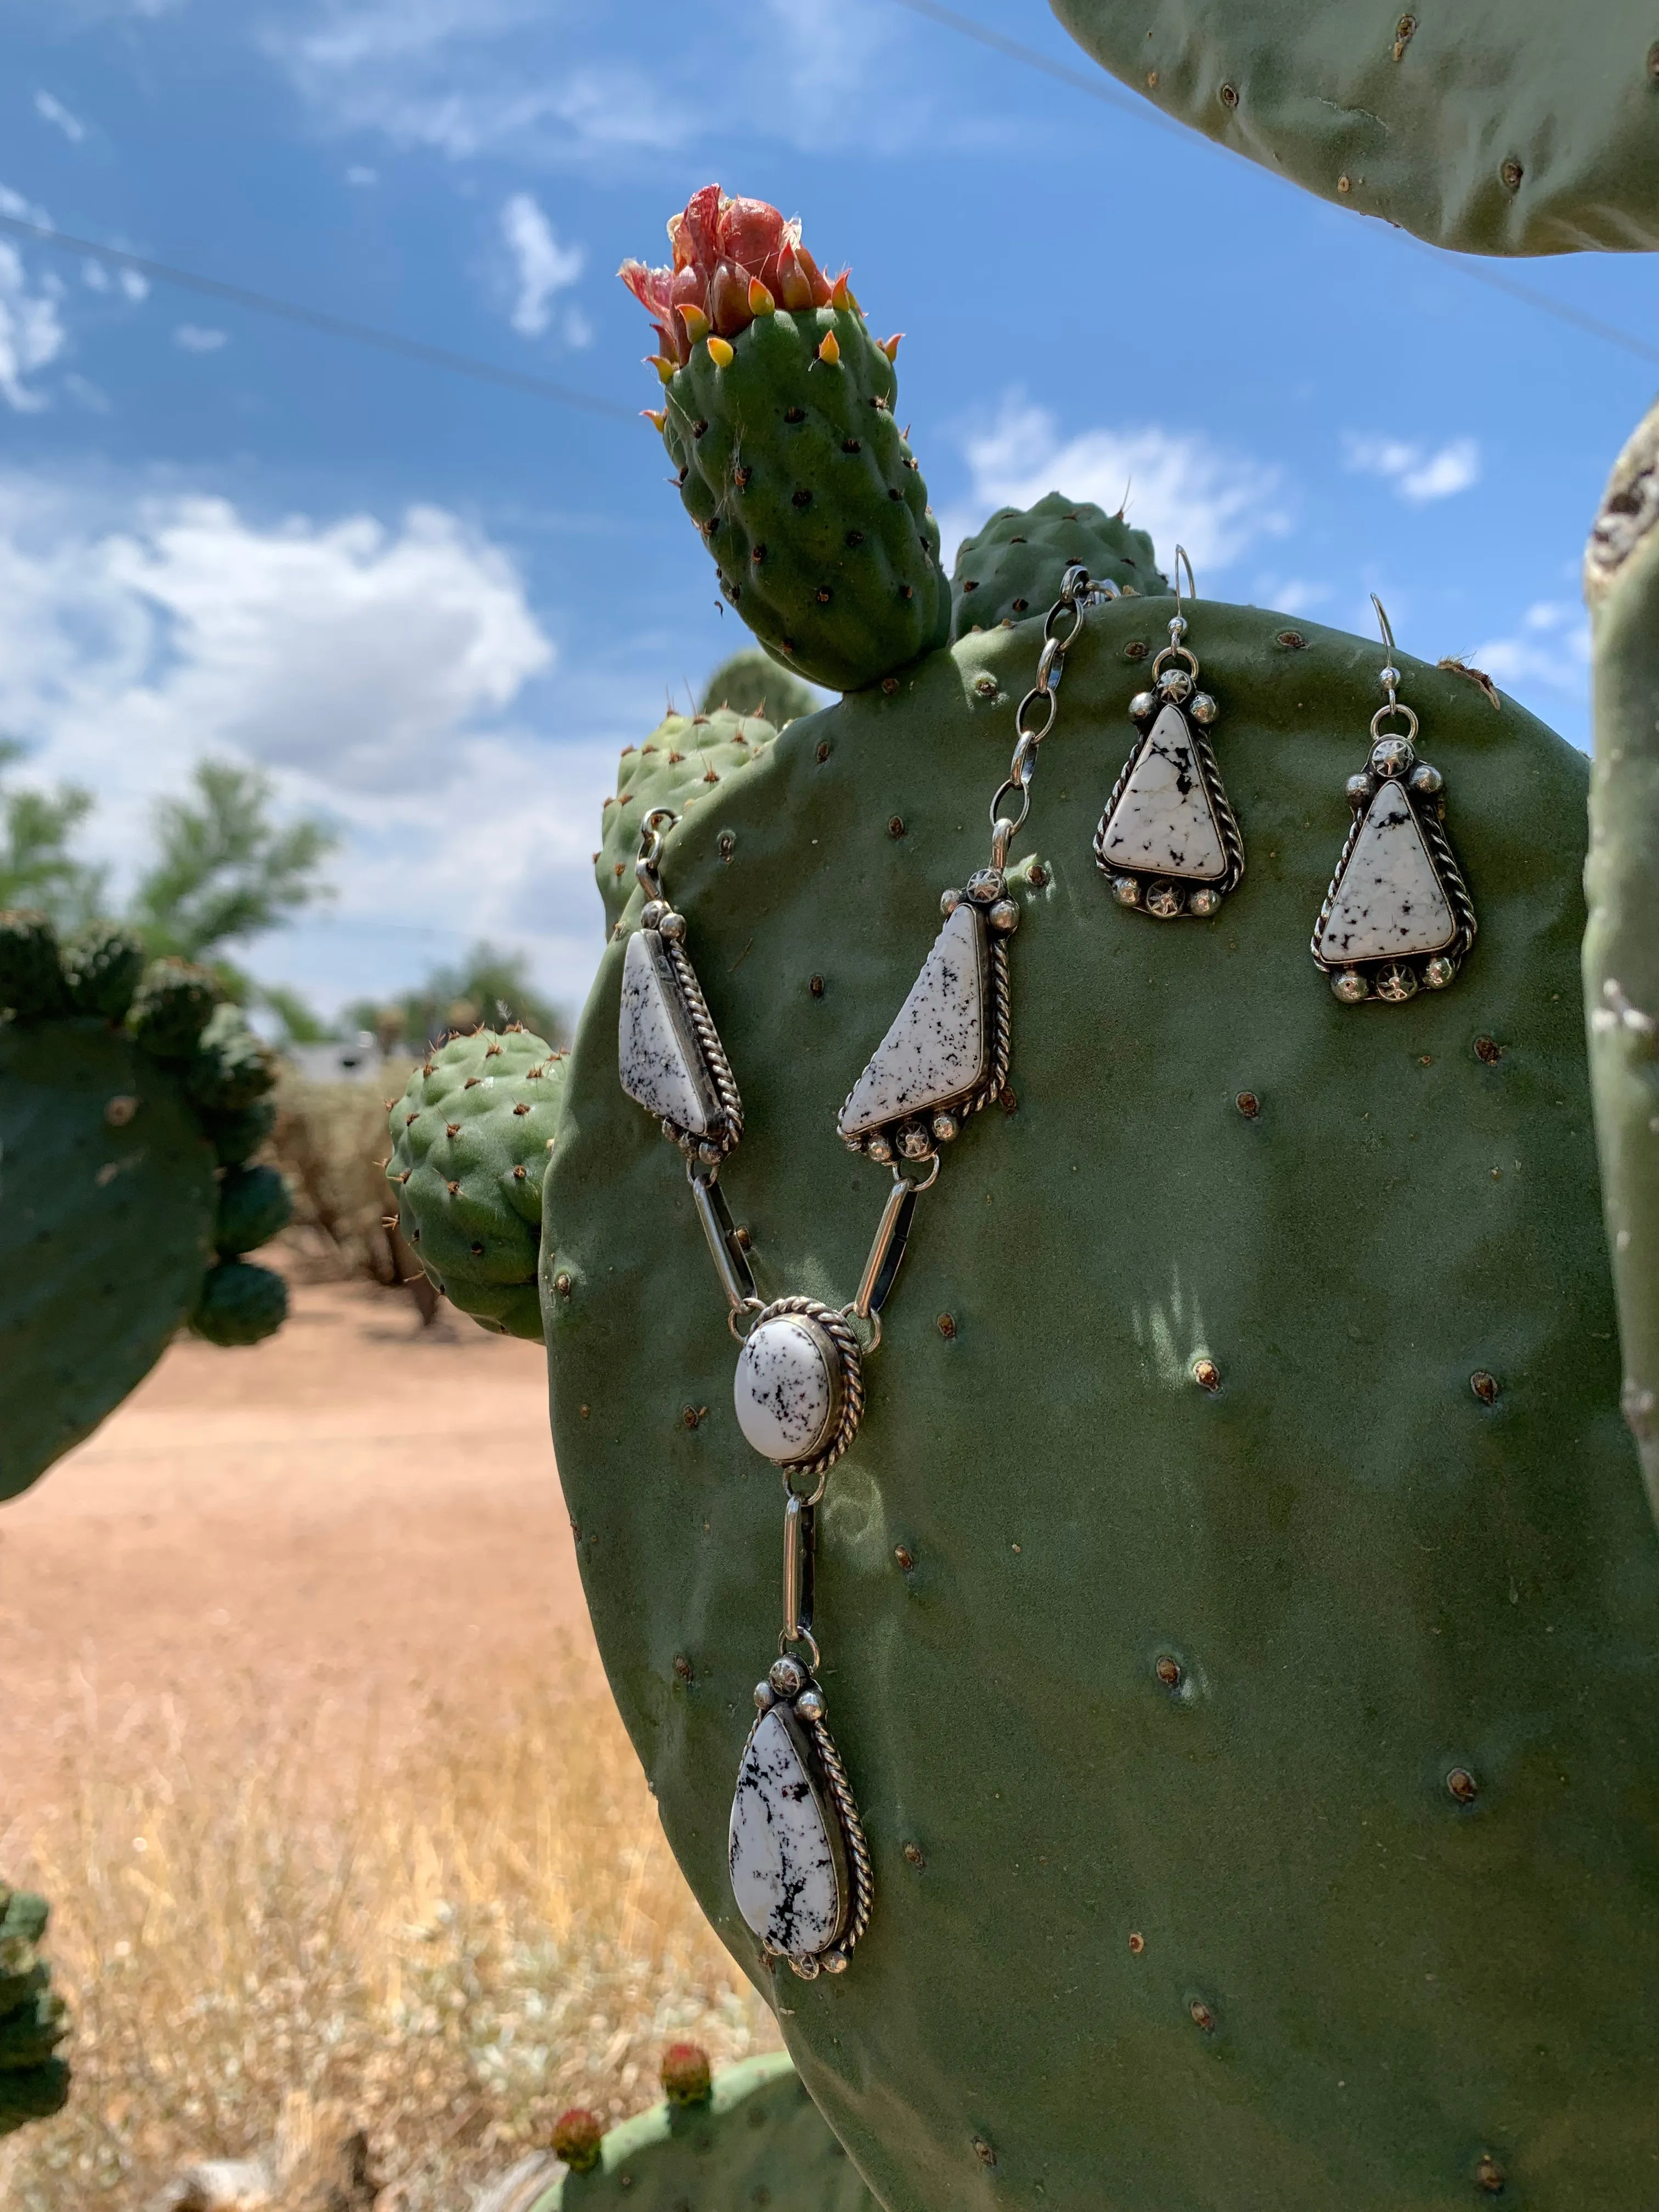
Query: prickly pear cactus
[[1239, 1603], [34, 2084], [1499, 127], [116, 1225], [1011, 570], [778, 416], [751, 683], [756, 2139], [470, 1139], [1621, 946], [685, 762]]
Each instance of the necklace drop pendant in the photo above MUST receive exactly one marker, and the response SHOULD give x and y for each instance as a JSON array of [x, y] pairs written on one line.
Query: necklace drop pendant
[[946, 1054], [798, 1390], [669, 1053], [800, 1868], [1167, 842]]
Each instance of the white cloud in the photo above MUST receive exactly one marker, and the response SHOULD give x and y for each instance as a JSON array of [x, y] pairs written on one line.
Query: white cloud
[[1177, 484], [53, 111], [376, 671], [1416, 474], [1550, 645], [134, 283], [32, 333], [192, 337], [543, 266], [357, 175], [98, 276]]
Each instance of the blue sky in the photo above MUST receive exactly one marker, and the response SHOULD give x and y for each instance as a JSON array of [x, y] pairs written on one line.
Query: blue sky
[[437, 610]]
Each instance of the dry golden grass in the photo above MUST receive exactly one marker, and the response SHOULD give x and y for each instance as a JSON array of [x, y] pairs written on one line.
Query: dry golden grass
[[446, 1952]]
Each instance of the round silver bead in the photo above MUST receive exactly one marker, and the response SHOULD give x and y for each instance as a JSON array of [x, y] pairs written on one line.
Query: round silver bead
[[672, 927], [1389, 679], [1397, 983], [833, 1962], [1142, 704], [1178, 626], [949, 901], [1203, 709], [879, 1150], [1204, 902], [805, 1969], [1350, 987], [915, 1144], [1004, 917], [1392, 756], [788, 1677], [986, 884], [946, 1128], [709, 1155], [1126, 890], [1438, 972], [1426, 780], [809, 1706], [1165, 900], [1175, 684], [1359, 789], [652, 913], [764, 1697]]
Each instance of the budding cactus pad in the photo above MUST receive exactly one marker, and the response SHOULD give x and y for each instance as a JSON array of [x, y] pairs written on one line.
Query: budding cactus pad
[[471, 1137], [751, 683], [759, 2140], [1238, 1606], [1012, 568], [1498, 126], [1621, 946], [687, 761]]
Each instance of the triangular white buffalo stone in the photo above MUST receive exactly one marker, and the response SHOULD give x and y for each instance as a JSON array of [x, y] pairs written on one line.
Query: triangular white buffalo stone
[[783, 1874], [935, 1050], [652, 1058], [1164, 824], [1388, 901]]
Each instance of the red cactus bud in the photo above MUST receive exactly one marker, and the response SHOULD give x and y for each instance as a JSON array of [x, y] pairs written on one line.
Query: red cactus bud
[[890, 346], [840, 292], [655, 416], [761, 301], [577, 2137], [685, 2075], [728, 300], [697, 324]]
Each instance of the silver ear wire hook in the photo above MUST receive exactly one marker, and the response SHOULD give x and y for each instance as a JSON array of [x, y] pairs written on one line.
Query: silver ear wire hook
[[1178, 626], [1389, 677]]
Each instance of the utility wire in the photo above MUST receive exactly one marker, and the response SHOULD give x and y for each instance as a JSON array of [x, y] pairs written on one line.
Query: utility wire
[[1015, 50], [339, 326]]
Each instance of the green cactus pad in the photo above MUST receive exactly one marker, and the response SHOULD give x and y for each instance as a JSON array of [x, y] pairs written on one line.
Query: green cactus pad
[[31, 986], [236, 1137], [1500, 126], [1622, 945], [1239, 1605], [685, 762], [759, 2140], [471, 1137], [102, 965], [171, 1008], [255, 1204], [751, 683], [240, 1304], [33, 2084], [1011, 569], [230, 1068], [107, 1204], [806, 495]]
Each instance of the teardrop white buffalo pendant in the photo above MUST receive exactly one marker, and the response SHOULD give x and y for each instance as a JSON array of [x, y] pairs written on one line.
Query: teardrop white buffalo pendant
[[946, 1054], [800, 1868]]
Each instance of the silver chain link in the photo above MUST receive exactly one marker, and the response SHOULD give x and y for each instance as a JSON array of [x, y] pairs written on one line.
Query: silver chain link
[[1060, 632]]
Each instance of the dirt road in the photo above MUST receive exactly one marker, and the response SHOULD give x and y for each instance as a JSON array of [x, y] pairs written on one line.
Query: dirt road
[[338, 1526]]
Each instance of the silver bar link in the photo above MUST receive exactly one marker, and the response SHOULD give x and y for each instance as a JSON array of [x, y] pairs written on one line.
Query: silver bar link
[[892, 1234], [797, 1535], [730, 1264]]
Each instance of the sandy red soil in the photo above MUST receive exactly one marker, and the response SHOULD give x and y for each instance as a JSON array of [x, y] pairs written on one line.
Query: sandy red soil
[[335, 1527]]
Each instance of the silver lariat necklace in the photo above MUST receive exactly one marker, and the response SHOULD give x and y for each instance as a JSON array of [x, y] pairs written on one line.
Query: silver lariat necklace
[[800, 1866]]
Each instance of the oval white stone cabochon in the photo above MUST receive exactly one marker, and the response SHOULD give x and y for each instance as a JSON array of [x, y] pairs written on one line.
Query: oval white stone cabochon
[[783, 1872], [1390, 901], [782, 1391]]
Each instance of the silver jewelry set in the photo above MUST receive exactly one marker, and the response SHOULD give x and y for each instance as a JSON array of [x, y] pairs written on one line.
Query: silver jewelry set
[[1397, 917]]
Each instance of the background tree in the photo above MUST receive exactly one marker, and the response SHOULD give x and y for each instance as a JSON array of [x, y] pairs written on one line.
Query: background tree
[[491, 984], [225, 869], [36, 866]]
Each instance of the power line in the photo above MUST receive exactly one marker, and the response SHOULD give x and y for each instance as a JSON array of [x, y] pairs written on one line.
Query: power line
[[315, 318], [1015, 50]]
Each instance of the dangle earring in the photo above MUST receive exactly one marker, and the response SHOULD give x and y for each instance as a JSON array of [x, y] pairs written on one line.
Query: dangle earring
[[1398, 914], [1168, 841]]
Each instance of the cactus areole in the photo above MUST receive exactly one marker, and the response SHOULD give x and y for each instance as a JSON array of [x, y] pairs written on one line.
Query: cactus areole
[[1238, 1596]]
